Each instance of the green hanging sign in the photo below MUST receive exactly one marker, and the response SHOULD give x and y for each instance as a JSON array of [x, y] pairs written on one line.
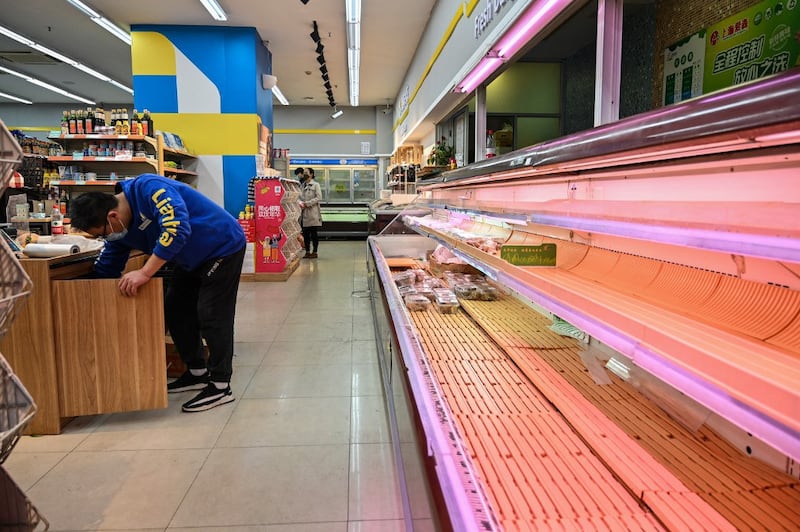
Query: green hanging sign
[[543, 255]]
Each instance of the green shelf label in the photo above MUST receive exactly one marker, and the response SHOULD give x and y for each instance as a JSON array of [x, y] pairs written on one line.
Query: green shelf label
[[543, 255]]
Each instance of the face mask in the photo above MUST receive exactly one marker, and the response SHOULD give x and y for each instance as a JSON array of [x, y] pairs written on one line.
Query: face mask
[[113, 237]]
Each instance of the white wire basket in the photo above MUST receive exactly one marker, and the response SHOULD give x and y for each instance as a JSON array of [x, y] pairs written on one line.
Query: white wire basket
[[10, 156], [16, 409], [17, 514], [14, 285]]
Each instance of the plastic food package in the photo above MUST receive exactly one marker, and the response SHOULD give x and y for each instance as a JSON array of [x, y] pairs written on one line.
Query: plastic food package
[[487, 292], [416, 302], [406, 290], [404, 278], [466, 290], [446, 306]]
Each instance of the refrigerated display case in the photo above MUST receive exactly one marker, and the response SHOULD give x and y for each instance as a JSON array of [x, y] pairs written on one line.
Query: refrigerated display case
[[645, 379], [347, 191]]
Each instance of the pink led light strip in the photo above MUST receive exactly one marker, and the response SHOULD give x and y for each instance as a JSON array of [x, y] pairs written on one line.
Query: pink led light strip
[[524, 29]]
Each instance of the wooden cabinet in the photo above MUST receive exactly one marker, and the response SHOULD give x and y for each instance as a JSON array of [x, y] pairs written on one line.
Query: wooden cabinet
[[81, 348]]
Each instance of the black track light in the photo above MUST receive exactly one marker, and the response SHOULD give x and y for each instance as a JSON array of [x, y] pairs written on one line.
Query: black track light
[[321, 59], [333, 104], [315, 34], [324, 70], [304, 2], [327, 85], [325, 77], [320, 48]]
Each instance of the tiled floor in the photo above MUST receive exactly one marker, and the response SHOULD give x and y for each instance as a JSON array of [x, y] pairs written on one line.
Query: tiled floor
[[305, 447]]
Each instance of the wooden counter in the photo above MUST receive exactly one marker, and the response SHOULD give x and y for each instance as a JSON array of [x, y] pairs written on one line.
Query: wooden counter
[[81, 348]]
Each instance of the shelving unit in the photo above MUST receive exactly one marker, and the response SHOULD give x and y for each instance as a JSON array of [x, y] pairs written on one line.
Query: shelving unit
[[123, 165]]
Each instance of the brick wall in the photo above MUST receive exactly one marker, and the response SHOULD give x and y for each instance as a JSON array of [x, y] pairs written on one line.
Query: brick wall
[[676, 19]]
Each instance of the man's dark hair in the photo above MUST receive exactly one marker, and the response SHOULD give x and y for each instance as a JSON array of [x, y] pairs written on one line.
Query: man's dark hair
[[90, 210], [299, 170], [311, 172]]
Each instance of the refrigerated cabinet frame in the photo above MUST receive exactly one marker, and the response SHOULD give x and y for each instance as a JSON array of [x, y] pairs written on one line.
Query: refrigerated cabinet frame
[[708, 187]]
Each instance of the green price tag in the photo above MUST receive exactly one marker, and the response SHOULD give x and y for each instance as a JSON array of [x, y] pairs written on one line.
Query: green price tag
[[544, 255]]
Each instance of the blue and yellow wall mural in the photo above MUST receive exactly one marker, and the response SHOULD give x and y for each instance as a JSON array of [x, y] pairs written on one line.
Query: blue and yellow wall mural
[[204, 84]]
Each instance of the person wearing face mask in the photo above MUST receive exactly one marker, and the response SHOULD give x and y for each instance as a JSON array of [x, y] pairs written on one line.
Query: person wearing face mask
[[173, 222]]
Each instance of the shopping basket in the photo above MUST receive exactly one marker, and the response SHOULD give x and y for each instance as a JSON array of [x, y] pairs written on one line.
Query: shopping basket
[[17, 514], [16, 409]]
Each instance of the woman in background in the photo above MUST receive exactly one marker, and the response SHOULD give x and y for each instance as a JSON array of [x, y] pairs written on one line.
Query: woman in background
[[310, 196]]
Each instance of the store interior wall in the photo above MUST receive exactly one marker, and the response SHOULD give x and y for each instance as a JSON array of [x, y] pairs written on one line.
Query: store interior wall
[[310, 131], [447, 45]]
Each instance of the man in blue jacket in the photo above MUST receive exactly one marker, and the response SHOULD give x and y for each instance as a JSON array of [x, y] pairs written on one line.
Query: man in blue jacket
[[172, 222]]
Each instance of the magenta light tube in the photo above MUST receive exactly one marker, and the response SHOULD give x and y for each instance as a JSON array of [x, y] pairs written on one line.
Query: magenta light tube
[[523, 30]]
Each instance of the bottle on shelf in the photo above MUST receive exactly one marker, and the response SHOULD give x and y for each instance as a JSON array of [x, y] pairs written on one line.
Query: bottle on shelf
[[490, 147], [136, 124], [126, 125], [56, 221], [80, 121], [73, 122], [88, 125], [118, 122], [147, 124], [64, 123]]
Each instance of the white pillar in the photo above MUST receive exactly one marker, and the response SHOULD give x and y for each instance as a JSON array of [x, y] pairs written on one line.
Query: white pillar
[[609, 61]]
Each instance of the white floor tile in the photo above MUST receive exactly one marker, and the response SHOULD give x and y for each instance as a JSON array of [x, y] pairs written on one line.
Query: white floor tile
[[268, 485], [288, 421], [116, 489], [304, 448]]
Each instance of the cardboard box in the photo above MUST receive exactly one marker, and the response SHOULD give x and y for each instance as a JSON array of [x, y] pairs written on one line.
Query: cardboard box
[[438, 268]]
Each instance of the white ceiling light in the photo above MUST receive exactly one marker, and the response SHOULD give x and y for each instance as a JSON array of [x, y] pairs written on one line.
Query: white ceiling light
[[61, 57], [353, 20], [15, 98], [46, 85], [337, 113], [103, 22], [214, 9], [279, 95]]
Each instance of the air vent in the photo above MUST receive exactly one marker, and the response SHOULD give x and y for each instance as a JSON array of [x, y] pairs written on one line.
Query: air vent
[[28, 58]]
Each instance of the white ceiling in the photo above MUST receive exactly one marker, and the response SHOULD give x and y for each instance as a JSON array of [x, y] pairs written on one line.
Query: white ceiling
[[390, 31]]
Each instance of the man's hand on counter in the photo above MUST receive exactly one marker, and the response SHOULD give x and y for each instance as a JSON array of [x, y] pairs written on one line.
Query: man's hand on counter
[[130, 282]]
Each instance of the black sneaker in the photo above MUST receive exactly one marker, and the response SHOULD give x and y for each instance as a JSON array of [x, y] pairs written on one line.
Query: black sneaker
[[210, 397], [187, 382]]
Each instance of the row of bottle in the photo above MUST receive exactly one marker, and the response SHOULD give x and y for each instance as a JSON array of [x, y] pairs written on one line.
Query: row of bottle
[[94, 121]]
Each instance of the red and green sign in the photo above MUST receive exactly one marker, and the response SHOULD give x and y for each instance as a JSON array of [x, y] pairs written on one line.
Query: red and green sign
[[754, 43], [757, 42]]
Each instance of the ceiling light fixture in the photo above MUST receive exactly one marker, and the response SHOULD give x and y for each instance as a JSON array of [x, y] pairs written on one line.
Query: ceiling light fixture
[[215, 10], [337, 113], [320, 48], [61, 57], [353, 21], [321, 59], [46, 85], [103, 22], [315, 34], [279, 95], [15, 98]]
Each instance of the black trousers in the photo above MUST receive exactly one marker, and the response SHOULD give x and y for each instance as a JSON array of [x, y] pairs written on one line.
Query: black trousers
[[311, 236], [202, 304]]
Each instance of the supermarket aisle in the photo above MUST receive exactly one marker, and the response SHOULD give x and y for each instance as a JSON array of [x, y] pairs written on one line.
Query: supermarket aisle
[[305, 447]]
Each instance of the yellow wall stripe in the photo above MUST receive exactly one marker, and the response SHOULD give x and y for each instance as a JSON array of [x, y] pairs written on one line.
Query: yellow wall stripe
[[436, 53], [213, 134], [326, 131]]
